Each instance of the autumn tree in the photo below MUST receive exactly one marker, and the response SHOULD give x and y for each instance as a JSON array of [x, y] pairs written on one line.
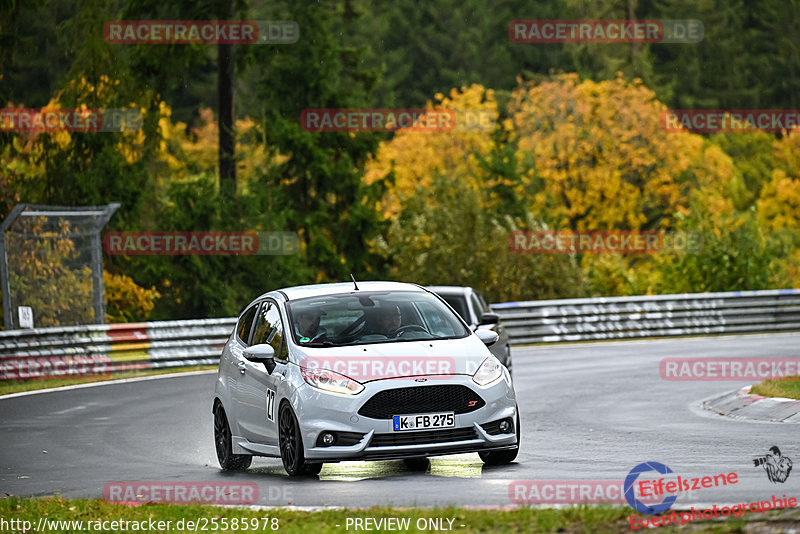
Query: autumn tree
[[595, 156], [779, 207], [449, 199]]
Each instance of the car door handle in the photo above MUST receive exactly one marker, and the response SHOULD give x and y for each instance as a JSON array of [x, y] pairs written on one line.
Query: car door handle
[[242, 366]]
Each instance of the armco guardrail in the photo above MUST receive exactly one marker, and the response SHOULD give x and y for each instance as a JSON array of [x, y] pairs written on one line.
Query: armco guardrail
[[101, 349], [549, 321]]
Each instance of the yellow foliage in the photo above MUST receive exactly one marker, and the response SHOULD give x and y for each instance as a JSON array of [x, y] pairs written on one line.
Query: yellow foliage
[[603, 157], [589, 156], [592, 155], [125, 300], [415, 157], [793, 269], [779, 203], [189, 153]]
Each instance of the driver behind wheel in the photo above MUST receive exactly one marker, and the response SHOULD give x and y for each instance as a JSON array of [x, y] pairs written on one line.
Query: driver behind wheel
[[308, 326], [389, 320]]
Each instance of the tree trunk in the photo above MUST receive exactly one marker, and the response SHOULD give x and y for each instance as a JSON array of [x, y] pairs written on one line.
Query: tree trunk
[[226, 71]]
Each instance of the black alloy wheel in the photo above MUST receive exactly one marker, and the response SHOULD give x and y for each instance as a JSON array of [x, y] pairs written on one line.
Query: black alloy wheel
[[291, 445], [224, 443]]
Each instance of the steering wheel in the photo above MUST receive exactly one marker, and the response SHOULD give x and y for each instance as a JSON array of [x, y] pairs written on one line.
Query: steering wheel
[[352, 327], [407, 328]]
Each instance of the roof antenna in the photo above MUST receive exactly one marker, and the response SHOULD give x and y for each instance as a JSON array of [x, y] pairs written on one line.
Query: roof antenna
[[353, 278]]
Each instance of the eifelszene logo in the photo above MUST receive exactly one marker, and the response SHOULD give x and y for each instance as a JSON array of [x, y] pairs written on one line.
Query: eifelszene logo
[[638, 505], [664, 487]]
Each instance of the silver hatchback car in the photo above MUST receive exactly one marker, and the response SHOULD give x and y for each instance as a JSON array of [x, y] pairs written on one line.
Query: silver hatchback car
[[360, 371]]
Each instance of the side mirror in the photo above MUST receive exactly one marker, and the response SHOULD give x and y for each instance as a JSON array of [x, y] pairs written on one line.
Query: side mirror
[[261, 353], [489, 337], [489, 318]]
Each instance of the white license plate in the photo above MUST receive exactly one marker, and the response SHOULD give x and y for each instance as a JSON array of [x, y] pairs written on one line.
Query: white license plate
[[424, 421]]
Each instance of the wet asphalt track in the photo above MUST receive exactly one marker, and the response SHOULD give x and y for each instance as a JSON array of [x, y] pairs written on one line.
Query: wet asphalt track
[[589, 411]]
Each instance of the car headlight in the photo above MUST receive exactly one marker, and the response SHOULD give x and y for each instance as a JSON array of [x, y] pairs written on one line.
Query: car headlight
[[490, 370], [331, 381]]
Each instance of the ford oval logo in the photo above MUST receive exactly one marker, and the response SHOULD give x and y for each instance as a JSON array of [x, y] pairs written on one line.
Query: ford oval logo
[[420, 380]]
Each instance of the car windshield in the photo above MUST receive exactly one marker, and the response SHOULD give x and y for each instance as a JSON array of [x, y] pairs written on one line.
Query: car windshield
[[368, 317]]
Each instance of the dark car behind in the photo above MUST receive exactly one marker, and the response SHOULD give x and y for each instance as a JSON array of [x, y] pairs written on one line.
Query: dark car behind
[[472, 307]]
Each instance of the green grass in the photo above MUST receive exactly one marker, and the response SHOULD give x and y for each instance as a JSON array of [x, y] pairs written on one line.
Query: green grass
[[582, 519], [15, 386], [787, 387], [579, 519]]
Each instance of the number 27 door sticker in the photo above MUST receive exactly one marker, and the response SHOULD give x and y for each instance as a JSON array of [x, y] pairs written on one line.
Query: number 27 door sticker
[[271, 404]]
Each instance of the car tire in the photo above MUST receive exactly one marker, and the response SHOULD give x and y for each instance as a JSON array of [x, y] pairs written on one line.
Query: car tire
[[223, 442], [505, 456], [312, 469], [291, 445], [419, 463]]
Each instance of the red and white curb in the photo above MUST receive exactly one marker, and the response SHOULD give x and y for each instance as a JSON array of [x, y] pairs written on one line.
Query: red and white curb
[[740, 404]]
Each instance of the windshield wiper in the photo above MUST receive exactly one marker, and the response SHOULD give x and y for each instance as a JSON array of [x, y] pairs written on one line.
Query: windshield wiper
[[319, 344]]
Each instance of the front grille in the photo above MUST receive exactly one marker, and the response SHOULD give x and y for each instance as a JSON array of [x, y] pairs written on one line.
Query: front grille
[[421, 399], [423, 438]]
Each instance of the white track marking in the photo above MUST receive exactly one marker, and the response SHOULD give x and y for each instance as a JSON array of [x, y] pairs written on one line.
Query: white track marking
[[104, 383]]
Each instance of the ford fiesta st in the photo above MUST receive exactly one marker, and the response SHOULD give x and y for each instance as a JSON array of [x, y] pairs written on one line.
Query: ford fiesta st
[[360, 371]]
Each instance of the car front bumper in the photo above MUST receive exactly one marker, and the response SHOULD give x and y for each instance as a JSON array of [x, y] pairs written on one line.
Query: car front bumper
[[340, 413]]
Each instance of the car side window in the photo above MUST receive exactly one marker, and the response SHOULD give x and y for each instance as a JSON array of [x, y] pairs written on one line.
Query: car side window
[[276, 337], [477, 306], [485, 307], [459, 304], [268, 328], [245, 324], [261, 328]]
